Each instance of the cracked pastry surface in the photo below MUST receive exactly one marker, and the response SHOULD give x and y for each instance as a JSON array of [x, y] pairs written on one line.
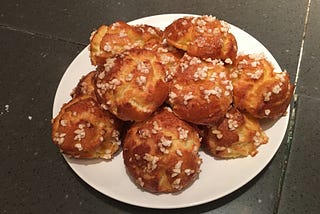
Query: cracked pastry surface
[[193, 65], [132, 85], [236, 135], [107, 41], [84, 130], [258, 89], [161, 153], [201, 91], [204, 37]]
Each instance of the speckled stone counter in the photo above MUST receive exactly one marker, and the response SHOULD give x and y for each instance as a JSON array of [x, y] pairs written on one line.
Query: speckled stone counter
[[39, 40]]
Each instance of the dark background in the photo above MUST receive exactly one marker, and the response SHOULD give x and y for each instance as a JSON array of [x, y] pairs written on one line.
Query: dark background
[[39, 39]]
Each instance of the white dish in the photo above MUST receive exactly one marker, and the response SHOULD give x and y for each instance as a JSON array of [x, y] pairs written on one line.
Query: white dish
[[217, 178]]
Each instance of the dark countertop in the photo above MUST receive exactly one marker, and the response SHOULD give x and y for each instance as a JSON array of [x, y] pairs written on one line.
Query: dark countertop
[[39, 39]]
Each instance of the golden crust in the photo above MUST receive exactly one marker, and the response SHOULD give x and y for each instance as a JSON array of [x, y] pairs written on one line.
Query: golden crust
[[132, 86], [195, 59], [258, 89], [107, 41], [169, 58], [83, 130], [236, 135], [205, 37], [149, 33], [161, 153], [85, 86], [201, 91]]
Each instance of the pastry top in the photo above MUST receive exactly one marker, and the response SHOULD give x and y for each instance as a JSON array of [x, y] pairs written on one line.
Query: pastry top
[[108, 41], [216, 99], [169, 58], [258, 89], [132, 85], [236, 135], [161, 153], [201, 91], [204, 36], [83, 130]]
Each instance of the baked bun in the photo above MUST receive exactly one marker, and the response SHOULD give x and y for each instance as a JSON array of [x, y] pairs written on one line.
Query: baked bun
[[201, 91], [132, 86], [161, 153], [83, 130], [85, 86], [236, 135], [204, 36], [169, 58], [258, 89], [107, 41]]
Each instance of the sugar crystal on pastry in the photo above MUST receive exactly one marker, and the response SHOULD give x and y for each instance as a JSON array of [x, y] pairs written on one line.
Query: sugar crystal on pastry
[[82, 129], [85, 86], [161, 153], [133, 85], [203, 36], [201, 91], [258, 89], [107, 41], [235, 135]]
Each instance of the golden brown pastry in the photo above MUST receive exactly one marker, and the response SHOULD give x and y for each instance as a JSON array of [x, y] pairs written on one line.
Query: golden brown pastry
[[204, 36], [85, 86], [161, 153], [132, 86], [168, 55], [84, 130], [169, 58], [236, 135], [258, 89], [201, 91], [107, 41]]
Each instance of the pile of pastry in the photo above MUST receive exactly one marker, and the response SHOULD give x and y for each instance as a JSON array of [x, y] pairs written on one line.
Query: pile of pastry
[[159, 96]]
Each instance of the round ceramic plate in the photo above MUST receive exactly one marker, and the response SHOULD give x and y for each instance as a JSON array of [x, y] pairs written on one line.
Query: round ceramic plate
[[217, 178]]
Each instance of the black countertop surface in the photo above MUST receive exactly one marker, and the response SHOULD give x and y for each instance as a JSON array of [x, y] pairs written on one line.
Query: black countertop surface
[[39, 40]]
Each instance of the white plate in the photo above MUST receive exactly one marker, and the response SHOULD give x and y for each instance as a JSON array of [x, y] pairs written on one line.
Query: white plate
[[217, 178]]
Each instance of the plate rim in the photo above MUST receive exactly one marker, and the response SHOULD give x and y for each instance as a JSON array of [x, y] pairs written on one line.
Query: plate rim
[[253, 175]]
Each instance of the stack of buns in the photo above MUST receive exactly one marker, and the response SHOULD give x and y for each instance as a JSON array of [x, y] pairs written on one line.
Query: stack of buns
[[175, 91]]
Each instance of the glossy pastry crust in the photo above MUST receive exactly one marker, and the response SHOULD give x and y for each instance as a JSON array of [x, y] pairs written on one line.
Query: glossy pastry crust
[[201, 91], [258, 89], [161, 153], [107, 41], [84, 130], [85, 86], [193, 67], [132, 85], [236, 135], [204, 36]]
